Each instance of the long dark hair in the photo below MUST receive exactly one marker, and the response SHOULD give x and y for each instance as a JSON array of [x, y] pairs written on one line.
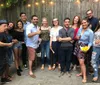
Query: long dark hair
[[79, 21], [17, 24]]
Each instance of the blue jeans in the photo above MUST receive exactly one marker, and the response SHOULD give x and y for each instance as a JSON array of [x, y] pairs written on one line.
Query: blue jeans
[[94, 60], [45, 49]]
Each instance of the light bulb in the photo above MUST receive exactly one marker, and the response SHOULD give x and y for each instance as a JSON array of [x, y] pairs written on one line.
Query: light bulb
[[36, 3], [43, 1], [51, 3], [29, 5]]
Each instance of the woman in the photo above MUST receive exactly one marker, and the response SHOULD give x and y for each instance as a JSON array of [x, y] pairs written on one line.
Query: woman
[[85, 38], [96, 52], [45, 43], [18, 35], [54, 44], [75, 25]]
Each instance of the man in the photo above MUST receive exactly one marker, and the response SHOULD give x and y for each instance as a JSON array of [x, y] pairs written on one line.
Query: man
[[32, 33], [66, 35], [23, 18], [4, 44], [93, 21]]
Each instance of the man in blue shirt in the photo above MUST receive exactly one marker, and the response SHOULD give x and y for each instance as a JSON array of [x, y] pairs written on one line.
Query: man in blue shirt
[[23, 18], [32, 33]]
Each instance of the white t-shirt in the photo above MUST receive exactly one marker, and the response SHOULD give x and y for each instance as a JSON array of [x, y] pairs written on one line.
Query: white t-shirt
[[54, 32], [32, 41]]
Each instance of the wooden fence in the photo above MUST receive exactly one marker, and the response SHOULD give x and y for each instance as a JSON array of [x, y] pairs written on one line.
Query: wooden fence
[[60, 9]]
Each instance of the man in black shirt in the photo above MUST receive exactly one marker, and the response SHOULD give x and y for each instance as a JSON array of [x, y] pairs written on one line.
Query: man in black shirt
[[93, 21], [3, 51]]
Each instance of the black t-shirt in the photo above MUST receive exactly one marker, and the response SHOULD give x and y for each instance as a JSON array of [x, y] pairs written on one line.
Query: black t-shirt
[[18, 35], [3, 49], [93, 22], [11, 31]]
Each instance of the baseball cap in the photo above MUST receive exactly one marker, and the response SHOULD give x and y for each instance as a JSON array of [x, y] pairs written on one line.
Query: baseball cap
[[3, 22]]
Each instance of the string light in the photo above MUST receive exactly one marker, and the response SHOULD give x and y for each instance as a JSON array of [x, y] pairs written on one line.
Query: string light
[[43, 1], [96, 0], [51, 3], [78, 1], [7, 3], [36, 3], [29, 5], [2, 5]]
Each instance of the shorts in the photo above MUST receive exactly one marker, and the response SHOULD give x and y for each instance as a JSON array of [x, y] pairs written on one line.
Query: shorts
[[18, 45], [31, 53]]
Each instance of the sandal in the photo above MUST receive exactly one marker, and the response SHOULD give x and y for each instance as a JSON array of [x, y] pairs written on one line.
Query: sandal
[[95, 79], [78, 75], [54, 66], [32, 75], [42, 67], [49, 68], [84, 80]]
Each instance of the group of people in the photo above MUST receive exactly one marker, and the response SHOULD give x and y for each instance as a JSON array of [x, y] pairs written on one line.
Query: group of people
[[69, 45]]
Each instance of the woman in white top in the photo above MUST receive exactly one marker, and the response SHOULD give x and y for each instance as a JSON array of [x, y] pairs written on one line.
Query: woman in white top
[[54, 44]]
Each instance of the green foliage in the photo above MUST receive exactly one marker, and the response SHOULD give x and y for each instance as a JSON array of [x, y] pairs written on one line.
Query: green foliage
[[9, 3]]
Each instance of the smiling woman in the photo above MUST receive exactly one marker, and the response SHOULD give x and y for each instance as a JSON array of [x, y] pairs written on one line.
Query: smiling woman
[[85, 39]]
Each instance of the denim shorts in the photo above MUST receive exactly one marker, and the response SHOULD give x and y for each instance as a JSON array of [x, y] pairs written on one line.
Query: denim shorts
[[18, 45]]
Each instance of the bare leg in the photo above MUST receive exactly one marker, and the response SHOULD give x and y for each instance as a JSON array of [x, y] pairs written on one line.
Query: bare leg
[[19, 56], [83, 69], [16, 57]]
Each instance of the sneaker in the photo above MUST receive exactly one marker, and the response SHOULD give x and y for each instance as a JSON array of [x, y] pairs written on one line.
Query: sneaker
[[68, 74], [18, 72], [61, 74], [25, 66], [5, 80]]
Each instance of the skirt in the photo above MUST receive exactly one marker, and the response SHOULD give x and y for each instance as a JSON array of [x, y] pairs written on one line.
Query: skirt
[[78, 52]]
